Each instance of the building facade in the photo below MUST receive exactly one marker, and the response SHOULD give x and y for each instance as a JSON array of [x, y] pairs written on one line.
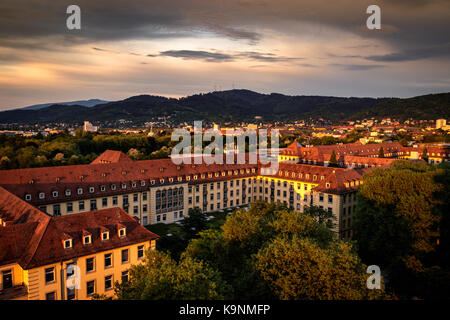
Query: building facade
[[71, 257]]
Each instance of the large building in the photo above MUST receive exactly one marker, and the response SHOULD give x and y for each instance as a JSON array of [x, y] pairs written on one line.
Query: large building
[[68, 257], [158, 191]]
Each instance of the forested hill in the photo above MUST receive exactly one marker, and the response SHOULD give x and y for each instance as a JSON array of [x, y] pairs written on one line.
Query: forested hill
[[240, 105]]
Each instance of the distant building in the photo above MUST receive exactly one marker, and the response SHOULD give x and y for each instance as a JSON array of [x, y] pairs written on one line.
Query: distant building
[[442, 124], [88, 127]]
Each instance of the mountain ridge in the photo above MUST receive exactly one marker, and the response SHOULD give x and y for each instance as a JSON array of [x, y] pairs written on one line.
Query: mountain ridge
[[239, 105]]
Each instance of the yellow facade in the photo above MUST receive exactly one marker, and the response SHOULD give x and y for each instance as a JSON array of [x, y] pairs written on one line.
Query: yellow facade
[[37, 287]]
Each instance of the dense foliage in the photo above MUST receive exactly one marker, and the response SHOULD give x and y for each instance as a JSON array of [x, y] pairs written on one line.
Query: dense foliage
[[64, 149], [402, 225], [265, 251]]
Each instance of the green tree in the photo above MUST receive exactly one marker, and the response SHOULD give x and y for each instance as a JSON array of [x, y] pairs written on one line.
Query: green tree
[[298, 268], [398, 220], [424, 155], [322, 216], [333, 161], [160, 277]]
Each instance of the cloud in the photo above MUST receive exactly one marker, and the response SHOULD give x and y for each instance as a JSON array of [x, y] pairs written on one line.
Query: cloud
[[413, 54], [216, 56], [196, 55], [356, 67]]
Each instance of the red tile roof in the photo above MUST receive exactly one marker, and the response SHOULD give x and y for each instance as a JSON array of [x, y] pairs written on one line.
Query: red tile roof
[[111, 156], [328, 179], [33, 238]]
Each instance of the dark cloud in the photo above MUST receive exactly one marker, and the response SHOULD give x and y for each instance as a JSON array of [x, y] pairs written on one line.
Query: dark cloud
[[406, 24], [197, 55], [414, 54], [357, 67], [215, 56]]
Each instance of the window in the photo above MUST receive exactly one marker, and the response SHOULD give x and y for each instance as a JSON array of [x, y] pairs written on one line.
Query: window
[[108, 260], [80, 191], [124, 276], [41, 195], [164, 217], [89, 264], [125, 256], [102, 188], [140, 252], [50, 296], [175, 215], [56, 210], [113, 187], [93, 205], [115, 201], [330, 199], [108, 282], [87, 239], [91, 189], [145, 221], [158, 218], [144, 208], [321, 197], [105, 235], [90, 288], [104, 202], [135, 210], [135, 197], [67, 243], [69, 207], [144, 196], [55, 194], [122, 232], [28, 197], [49, 275], [7, 279]]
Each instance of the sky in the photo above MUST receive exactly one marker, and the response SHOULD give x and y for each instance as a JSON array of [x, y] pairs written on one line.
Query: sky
[[177, 48]]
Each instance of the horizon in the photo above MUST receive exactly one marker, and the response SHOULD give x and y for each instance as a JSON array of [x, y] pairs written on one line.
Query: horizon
[[204, 93]]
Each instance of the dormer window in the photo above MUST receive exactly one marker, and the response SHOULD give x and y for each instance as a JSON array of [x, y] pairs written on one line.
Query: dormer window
[[113, 187], [133, 184], [124, 186], [105, 236], [142, 183], [67, 243], [55, 194], [91, 189], [87, 239], [80, 191], [68, 193], [122, 232], [28, 197], [153, 182], [41, 195], [102, 188]]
